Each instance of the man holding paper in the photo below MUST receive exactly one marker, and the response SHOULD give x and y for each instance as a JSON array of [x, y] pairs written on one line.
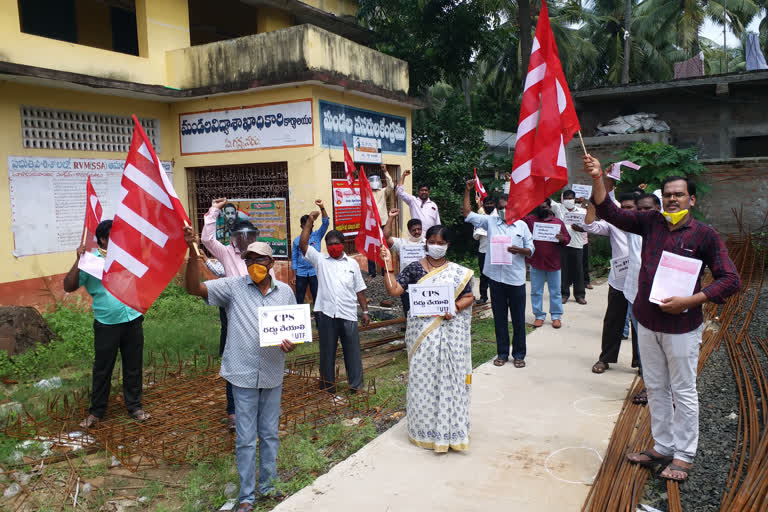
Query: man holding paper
[[545, 266], [623, 246], [255, 371], [508, 247], [572, 265], [668, 310]]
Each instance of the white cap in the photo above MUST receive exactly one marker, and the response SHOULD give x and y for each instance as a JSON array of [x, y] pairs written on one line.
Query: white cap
[[260, 248]]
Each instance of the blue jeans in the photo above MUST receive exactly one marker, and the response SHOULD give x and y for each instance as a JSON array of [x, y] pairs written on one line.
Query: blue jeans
[[552, 278], [508, 298], [258, 415], [625, 334]]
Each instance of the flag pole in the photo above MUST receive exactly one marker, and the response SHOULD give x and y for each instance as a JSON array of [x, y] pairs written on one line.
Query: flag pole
[[194, 244], [582, 144]]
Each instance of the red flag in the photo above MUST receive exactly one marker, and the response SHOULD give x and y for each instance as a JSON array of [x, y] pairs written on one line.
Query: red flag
[[547, 123], [479, 188], [370, 237], [146, 244], [349, 165], [93, 213]]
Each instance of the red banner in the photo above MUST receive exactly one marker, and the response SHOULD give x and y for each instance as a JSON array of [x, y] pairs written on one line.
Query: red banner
[[349, 166], [93, 213], [146, 244], [370, 238]]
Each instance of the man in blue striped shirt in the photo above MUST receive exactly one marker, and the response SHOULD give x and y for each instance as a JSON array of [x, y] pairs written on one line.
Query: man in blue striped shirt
[[303, 272]]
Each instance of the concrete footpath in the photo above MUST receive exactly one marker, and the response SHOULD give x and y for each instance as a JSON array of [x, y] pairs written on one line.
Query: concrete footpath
[[537, 438]]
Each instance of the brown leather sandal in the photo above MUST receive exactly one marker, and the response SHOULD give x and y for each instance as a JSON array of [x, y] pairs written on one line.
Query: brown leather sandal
[[600, 367], [519, 363], [90, 421], [140, 416], [499, 362]]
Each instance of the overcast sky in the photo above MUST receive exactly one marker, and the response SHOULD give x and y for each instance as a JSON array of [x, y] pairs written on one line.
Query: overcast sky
[[712, 31]]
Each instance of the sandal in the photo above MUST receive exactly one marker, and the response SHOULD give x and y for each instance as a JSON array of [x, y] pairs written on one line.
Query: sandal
[[499, 362], [674, 467], [641, 398], [653, 459], [89, 422], [600, 367], [245, 507], [519, 363], [231, 423], [140, 416]]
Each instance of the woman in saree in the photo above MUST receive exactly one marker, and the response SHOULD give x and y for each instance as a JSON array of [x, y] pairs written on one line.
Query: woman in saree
[[439, 350]]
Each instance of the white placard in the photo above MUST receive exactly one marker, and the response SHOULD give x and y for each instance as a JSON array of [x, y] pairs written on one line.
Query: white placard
[[676, 276], [431, 299], [366, 150], [91, 264], [545, 232], [409, 253], [584, 191], [240, 129], [278, 323], [48, 199], [620, 266], [575, 216], [498, 245]]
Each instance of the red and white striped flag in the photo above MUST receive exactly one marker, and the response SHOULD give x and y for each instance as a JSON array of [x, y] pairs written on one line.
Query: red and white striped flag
[[370, 237], [146, 244], [547, 123], [93, 213], [479, 188], [349, 165]]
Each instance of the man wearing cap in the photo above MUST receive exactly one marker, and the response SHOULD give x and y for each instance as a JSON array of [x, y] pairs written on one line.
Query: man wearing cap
[[381, 198], [241, 234], [341, 288], [255, 372]]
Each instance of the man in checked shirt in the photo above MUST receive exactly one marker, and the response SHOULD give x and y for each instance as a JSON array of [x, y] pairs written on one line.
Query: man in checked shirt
[[669, 335]]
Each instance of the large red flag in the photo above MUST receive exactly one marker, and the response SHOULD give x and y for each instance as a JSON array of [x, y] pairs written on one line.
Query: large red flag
[[349, 165], [370, 237], [93, 213], [146, 244], [547, 123]]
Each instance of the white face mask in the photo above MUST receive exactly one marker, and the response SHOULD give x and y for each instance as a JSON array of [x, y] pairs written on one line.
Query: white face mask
[[436, 251], [569, 203]]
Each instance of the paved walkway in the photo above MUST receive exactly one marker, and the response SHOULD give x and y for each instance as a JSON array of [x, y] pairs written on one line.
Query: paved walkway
[[538, 434]]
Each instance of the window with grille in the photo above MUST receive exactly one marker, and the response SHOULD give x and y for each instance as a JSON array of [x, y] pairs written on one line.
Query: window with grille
[[47, 128], [204, 184]]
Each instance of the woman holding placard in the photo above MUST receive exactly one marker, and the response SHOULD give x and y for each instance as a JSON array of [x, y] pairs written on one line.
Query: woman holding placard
[[438, 343]]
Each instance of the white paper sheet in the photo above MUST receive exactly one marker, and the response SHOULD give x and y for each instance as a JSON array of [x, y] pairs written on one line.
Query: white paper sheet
[[431, 300], [620, 266], [545, 232], [91, 264], [498, 249], [584, 191], [576, 216], [278, 323], [676, 276]]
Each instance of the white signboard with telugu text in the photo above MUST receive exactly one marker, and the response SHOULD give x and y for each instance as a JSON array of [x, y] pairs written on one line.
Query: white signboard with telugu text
[[575, 216], [366, 150], [545, 232], [620, 266], [277, 125], [584, 191], [409, 253], [278, 323], [676, 276], [431, 299], [48, 199]]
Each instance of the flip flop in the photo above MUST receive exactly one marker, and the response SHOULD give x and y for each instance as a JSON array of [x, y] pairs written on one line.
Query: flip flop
[[519, 363], [499, 362], [600, 367], [140, 416], [653, 459], [641, 398], [675, 467]]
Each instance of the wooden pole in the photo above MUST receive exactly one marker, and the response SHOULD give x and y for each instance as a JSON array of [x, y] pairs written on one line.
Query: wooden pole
[[194, 244], [582, 143]]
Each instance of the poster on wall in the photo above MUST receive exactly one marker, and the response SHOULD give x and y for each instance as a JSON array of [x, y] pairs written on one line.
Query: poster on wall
[[268, 215], [342, 123], [346, 206], [367, 150], [48, 199], [278, 125]]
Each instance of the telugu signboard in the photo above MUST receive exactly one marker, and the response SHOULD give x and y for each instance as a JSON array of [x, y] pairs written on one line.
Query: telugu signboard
[[278, 323], [342, 123], [346, 206], [268, 215], [48, 199], [431, 299], [277, 125], [367, 150]]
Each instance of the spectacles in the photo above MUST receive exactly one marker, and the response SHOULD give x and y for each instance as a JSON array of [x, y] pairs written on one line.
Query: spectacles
[[676, 195], [258, 259]]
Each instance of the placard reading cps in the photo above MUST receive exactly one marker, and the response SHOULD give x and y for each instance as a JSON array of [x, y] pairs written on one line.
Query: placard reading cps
[[278, 323], [431, 299]]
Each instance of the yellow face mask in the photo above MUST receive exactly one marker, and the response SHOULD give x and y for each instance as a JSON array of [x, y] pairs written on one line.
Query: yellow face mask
[[675, 217], [257, 272], [103, 252]]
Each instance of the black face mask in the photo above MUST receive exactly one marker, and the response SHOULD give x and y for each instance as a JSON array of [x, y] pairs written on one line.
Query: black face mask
[[488, 209], [541, 213]]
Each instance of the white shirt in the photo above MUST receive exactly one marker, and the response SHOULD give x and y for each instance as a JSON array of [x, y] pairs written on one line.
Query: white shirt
[[339, 282], [425, 211], [623, 244], [408, 251], [480, 234], [578, 240], [513, 274]]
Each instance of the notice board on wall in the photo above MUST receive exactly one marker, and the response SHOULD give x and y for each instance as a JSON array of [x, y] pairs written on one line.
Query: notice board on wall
[[48, 199], [346, 206]]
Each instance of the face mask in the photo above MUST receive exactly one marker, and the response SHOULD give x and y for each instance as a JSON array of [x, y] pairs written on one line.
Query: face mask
[[569, 203], [414, 239], [103, 252], [541, 213], [335, 250], [500, 213], [436, 252], [257, 272], [488, 209], [675, 217]]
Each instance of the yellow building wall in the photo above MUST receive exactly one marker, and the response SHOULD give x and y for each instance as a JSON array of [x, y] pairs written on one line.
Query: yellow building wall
[[338, 7], [12, 96]]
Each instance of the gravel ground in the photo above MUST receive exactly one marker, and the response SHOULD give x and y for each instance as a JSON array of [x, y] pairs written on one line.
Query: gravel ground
[[377, 293], [718, 399]]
